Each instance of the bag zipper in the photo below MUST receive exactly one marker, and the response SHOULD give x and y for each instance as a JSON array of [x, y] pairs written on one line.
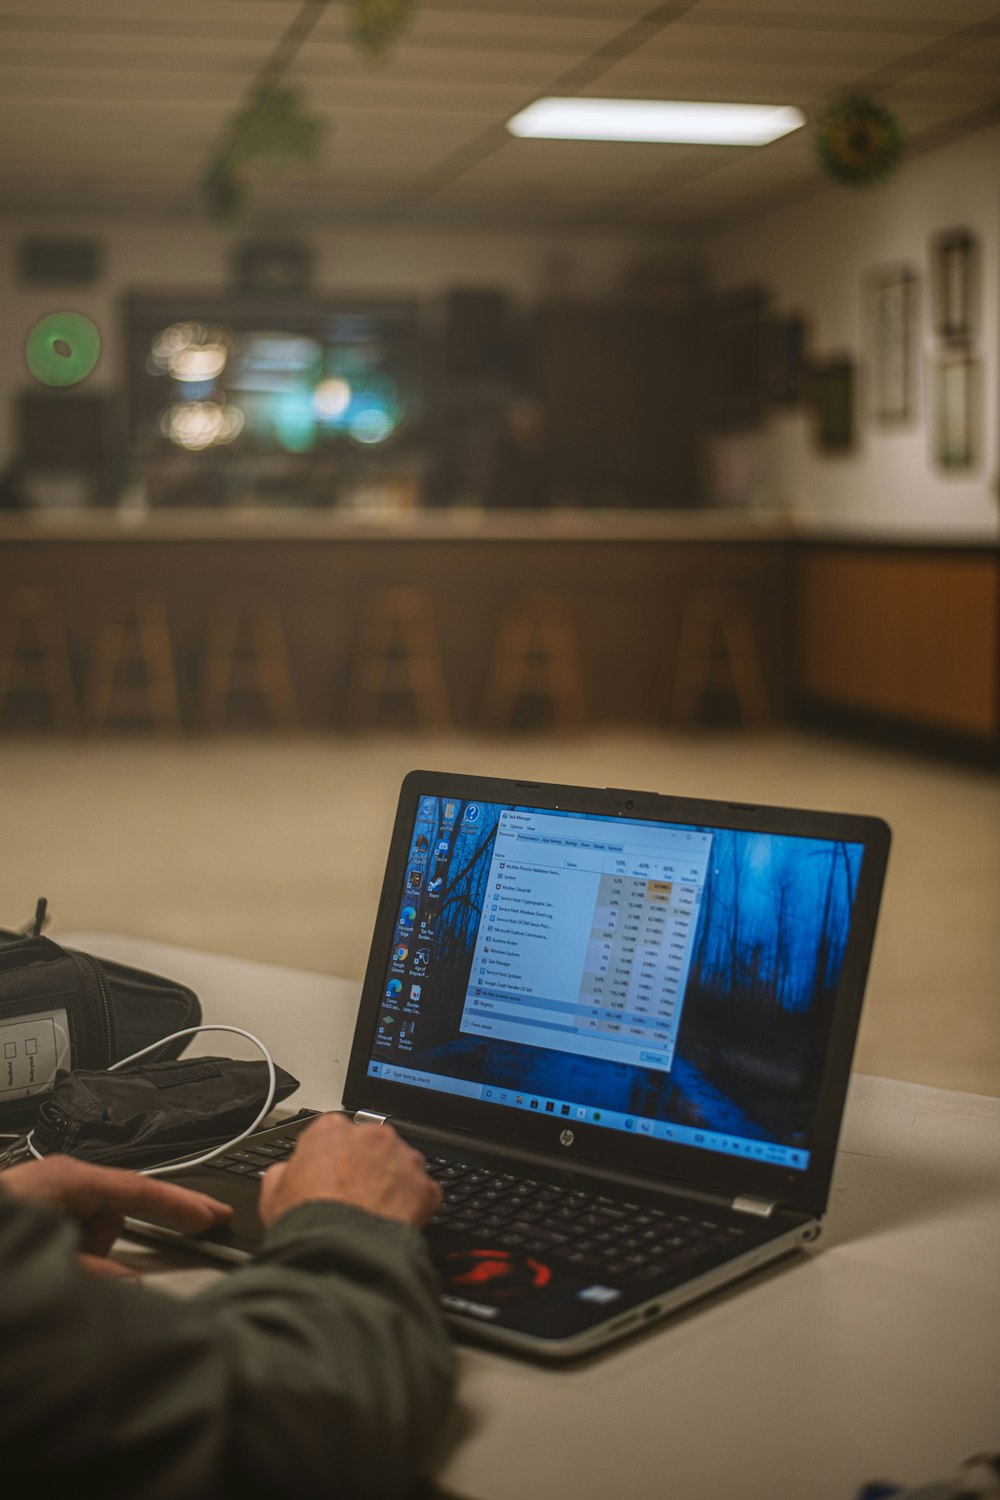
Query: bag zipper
[[105, 991], [104, 1006]]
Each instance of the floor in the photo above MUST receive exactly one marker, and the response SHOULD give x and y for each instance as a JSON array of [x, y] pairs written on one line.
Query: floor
[[273, 849]]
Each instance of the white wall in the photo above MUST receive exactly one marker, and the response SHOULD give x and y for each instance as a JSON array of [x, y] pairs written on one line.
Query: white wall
[[812, 257], [166, 257]]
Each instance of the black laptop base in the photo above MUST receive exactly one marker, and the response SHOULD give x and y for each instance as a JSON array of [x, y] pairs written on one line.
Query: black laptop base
[[532, 1256]]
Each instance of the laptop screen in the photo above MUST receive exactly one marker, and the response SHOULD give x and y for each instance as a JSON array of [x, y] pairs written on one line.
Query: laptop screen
[[669, 980]]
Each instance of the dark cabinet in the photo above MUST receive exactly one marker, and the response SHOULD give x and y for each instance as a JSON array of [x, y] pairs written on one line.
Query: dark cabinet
[[620, 384]]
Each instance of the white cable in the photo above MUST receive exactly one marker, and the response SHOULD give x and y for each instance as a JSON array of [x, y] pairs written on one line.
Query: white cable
[[195, 1161]]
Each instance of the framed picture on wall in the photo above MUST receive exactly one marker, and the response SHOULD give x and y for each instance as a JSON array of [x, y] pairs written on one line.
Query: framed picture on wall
[[832, 392], [785, 363], [955, 391], [892, 306], [736, 359], [954, 255]]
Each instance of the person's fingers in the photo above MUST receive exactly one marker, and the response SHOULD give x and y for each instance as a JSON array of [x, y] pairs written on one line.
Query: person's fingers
[[99, 1232], [184, 1207], [433, 1198], [92, 1190], [336, 1159], [269, 1185], [326, 1128], [109, 1270]]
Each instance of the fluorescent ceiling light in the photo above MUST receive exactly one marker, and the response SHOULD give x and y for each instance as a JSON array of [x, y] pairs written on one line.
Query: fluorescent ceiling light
[[655, 120]]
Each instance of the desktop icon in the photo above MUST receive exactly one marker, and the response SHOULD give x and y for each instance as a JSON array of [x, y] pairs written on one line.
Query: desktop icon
[[472, 812], [408, 915], [393, 987], [399, 954]]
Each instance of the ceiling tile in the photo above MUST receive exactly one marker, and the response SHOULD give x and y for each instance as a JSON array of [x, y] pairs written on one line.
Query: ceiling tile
[[125, 101]]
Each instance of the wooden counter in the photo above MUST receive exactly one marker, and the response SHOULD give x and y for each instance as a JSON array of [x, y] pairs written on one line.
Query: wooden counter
[[897, 635], [624, 577]]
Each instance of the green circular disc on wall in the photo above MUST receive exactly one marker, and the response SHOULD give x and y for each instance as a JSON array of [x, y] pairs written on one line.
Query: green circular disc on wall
[[62, 348]]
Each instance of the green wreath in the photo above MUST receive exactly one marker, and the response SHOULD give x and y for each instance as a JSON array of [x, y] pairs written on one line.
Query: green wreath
[[858, 142]]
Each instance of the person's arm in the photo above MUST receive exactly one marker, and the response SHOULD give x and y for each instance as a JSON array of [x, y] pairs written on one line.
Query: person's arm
[[322, 1369], [374, 1415]]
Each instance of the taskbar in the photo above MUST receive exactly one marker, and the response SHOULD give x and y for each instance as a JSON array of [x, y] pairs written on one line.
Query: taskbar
[[768, 1152]]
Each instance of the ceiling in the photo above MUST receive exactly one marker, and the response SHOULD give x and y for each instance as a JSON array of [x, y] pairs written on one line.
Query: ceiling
[[117, 106]]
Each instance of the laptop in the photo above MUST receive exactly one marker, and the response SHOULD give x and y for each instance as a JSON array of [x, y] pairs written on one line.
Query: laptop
[[619, 1026]]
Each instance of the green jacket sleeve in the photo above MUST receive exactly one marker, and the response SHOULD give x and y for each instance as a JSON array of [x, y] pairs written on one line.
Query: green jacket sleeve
[[321, 1369]]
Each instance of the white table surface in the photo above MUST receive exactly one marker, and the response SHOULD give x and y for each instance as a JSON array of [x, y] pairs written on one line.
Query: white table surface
[[876, 1355]]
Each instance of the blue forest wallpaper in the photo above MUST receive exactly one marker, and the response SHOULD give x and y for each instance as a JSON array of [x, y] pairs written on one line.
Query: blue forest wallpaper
[[766, 962]]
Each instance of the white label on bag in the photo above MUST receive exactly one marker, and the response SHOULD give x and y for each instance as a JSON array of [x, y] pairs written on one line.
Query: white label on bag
[[31, 1049]]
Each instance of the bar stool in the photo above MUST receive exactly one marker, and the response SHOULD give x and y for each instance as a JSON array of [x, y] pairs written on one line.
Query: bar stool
[[131, 677], [35, 658], [717, 651], [398, 657], [536, 657], [246, 656]]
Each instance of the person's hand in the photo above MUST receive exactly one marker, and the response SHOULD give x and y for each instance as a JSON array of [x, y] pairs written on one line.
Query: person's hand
[[367, 1165], [99, 1198]]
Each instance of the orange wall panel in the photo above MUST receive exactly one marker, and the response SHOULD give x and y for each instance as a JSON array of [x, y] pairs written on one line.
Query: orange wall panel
[[907, 635]]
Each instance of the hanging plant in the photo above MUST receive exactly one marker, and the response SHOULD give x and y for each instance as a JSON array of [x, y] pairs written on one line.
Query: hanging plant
[[272, 132], [374, 24], [858, 141], [224, 194]]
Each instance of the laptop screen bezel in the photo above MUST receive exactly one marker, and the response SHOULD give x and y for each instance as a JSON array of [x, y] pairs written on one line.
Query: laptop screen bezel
[[690, 1167]]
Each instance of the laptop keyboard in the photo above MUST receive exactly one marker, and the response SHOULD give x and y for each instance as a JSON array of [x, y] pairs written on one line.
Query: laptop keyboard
[[254, 1156], [584, 1229]]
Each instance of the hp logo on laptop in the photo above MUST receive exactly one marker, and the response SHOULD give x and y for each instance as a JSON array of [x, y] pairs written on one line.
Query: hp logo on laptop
[[566, 1137]]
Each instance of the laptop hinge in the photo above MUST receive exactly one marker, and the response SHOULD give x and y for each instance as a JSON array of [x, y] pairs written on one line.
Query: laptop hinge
[[368, 1117], [762, 1207]]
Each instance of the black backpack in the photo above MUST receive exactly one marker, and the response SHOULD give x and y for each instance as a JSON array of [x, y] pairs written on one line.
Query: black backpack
[[60, 1009]]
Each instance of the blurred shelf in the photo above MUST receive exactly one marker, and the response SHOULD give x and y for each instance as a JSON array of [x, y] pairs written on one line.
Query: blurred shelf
[[470, 523]]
